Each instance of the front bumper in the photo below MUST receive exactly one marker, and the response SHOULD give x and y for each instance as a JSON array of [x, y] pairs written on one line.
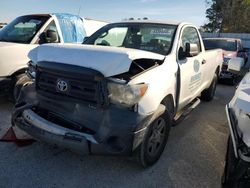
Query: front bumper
[[115, 131], [238, 144], [49, 132]]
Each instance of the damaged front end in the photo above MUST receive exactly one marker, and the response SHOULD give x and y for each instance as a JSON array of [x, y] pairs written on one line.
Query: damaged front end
[[238, 114], [78, 108]]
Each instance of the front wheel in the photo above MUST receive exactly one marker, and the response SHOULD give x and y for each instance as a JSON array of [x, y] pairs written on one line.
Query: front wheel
[[208, 94], [154, 141]]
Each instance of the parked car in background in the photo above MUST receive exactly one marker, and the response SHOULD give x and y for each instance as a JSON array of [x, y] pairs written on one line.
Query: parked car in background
[[232, 48], [119, 93], [237, 164], [27, 32], [92, 25]]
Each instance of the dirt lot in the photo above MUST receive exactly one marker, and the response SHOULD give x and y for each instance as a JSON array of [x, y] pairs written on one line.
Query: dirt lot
[[193, 157]]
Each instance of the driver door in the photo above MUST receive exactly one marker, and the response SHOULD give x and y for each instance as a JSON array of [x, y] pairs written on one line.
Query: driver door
[[190, 67]]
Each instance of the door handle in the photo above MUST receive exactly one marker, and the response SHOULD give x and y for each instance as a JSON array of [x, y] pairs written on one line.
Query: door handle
[[203, 62]]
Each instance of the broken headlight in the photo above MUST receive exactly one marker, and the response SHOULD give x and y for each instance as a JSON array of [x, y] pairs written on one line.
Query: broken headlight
[[126, 95], [31, 71]]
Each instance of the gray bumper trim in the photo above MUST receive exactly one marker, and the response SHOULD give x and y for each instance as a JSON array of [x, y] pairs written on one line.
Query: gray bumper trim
[[41, 123]]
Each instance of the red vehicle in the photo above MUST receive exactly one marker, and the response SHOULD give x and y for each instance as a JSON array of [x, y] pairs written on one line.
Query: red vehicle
[[232, 47]]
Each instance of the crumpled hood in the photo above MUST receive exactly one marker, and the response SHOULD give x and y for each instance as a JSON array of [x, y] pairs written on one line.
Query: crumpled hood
[[241, 107], [13, 56], [109, 61]]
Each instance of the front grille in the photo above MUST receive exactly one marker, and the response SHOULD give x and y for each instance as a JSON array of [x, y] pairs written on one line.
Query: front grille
[[89, 87]]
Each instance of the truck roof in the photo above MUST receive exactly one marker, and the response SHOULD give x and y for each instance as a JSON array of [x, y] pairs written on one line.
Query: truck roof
[[155, 21], [218, 38], [50, 14], [46, 15]]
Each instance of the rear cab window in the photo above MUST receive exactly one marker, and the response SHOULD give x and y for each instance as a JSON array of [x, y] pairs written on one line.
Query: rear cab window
[[224, 44]]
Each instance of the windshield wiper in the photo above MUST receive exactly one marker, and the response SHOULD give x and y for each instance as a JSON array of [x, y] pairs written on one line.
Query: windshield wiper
[[3, 40]]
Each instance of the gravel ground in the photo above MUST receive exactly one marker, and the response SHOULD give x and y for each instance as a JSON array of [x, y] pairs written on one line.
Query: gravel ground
[[194, 157]]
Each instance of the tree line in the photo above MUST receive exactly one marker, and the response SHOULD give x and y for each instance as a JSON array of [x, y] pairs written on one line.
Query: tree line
[[228, 16]]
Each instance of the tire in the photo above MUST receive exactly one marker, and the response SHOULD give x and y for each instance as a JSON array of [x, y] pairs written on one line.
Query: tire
[[233, 81], [227, 179], [154, 141], [208, 94], [21, 80]]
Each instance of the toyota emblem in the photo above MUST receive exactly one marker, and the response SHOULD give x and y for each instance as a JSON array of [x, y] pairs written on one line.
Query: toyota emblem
[[62, 86]]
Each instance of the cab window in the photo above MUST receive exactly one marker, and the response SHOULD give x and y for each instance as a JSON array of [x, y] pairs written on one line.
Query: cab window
[[190, 35]]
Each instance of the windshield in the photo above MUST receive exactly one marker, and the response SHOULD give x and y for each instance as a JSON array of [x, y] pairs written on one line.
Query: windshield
[[155, 38], [227, 45], [22, 29]]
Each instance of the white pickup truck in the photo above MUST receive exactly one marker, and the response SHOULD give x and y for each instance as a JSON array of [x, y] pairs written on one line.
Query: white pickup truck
[[237, 163], [118, 93], [27, 32]]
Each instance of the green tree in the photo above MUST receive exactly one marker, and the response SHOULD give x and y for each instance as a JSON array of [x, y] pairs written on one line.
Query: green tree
[[228, 16], [214, 16]]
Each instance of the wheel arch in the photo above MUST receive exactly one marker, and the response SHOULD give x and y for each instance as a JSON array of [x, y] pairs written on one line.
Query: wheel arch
[[168, 102]]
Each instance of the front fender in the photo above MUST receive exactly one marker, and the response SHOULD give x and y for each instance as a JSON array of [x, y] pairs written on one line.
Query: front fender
[[162, 82]]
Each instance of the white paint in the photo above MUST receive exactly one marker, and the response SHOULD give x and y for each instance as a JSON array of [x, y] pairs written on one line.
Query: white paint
[[14, 56], [240, 104], [161, 80], [92, 26], [236, 64], [109, 61]]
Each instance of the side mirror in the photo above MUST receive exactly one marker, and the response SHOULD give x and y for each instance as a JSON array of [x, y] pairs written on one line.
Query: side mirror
[[51, 36], [191, 51], [235, 64]]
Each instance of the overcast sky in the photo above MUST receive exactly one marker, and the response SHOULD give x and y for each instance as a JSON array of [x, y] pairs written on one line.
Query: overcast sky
[[109, 10]]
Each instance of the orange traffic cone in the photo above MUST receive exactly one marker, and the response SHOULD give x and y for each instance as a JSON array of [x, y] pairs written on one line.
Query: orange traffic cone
[[10, 136]]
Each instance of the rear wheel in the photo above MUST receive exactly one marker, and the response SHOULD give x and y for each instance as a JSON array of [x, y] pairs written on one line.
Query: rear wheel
[[208, 94], [154, 141], [233, 81]]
